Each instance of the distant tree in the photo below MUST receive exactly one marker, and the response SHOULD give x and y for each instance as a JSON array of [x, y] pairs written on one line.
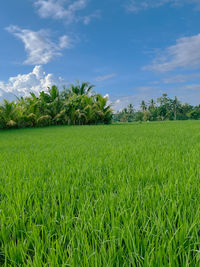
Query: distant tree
[[130, 109], [165, 109], [152, 104], [194, 113], [152, 110], [143, 106], [139, 116]]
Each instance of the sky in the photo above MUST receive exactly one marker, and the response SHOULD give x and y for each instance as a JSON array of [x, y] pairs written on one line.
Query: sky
[[131, 50]]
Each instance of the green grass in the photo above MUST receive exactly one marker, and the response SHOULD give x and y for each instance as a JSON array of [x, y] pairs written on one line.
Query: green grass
[[118, 195]]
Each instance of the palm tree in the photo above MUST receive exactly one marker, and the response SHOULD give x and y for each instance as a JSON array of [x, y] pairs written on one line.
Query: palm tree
[[176, 105], [44, 120], [8, 114], [80, 116], [164, 108], [81, 89], [88, 109], [152, 104], [55, 102], [102, 109], [130, 109], [143, 106]]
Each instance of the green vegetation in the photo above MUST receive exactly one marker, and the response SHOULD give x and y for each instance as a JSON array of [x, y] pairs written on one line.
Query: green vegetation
[[76, 105], [79, 105], [107, 195], [164, 108]]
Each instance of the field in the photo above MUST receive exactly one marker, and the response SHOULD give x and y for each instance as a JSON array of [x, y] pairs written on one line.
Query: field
[[116, 195]]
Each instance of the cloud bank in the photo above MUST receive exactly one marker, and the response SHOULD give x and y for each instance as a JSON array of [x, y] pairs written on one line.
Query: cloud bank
[[139, 5], [64, 9], [23, 84], [184, 54]]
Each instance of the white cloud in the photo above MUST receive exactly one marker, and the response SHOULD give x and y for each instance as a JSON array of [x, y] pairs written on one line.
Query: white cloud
[[184, 54], [64, 42], [181, 78], [23, 84], [87, 19], [51, 8], [105, 77], [136, 6], [64, 9], [38, 45], [139, 5], [195, 87], [107, 96]]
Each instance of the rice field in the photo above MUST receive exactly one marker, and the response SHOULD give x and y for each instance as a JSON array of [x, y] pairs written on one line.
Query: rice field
[[116, 195]]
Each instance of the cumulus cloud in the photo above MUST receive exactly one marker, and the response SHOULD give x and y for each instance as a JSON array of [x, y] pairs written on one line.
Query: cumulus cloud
[[64, 9], [23, 84], [105, 77], [184, 54], [139, 5], [38, 45]]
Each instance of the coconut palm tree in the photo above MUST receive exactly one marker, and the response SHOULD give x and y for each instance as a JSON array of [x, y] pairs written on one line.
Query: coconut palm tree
[[130, 109], [81, 89], [54, 103], [8, 114], [152, 104], [102, 109], [143, 106], [176, 105], [88, 109]]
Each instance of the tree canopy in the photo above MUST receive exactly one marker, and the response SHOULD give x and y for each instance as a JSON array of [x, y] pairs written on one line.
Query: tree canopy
[[77, 105]]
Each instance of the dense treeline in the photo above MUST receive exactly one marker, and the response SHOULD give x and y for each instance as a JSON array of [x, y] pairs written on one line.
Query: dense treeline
[[77, 105], [164, 108]]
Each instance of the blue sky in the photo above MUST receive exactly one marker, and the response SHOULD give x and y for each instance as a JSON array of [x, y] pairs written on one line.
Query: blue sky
[[130, 49]]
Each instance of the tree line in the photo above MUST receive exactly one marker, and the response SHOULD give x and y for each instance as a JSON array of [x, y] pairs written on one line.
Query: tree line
[[164, 108], [78, 105]]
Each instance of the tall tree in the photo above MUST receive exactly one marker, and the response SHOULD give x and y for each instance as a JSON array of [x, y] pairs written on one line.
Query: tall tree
[[81, 89], [176, 105], [143, 106], [8, 114]]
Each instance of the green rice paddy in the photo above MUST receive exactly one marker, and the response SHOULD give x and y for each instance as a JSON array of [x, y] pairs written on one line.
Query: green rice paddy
[[116, 195]]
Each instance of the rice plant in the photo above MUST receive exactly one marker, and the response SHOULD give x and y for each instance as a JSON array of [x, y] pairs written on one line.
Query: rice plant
[[109, 195]]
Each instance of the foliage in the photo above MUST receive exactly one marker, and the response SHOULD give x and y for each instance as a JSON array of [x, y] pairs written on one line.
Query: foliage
[[76, 105], [116, 195], [164, 108]]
